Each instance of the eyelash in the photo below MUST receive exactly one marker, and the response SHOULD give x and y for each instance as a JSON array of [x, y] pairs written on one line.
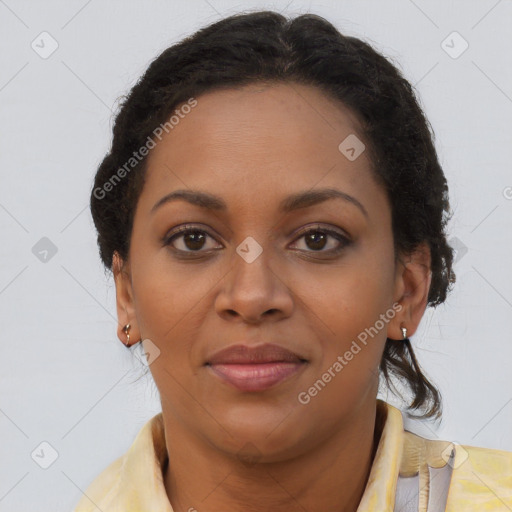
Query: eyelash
[[183, 230]]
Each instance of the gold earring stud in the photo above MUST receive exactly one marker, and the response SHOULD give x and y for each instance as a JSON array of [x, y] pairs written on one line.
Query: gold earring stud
[[126, 330]]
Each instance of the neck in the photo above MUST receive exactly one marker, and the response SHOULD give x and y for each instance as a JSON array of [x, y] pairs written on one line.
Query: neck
[[331, 476]]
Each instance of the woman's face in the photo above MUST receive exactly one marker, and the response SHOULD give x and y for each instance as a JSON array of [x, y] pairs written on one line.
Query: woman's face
[[248, 273]]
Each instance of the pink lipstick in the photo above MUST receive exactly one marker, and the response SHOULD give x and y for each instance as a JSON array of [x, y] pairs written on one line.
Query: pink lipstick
[[255, 368]]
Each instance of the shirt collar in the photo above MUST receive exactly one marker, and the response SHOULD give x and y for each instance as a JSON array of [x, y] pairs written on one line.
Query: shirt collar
[[141, 487], [379, 493]]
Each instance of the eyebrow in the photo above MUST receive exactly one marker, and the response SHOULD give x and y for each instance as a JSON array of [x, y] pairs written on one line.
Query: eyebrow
[[291, 203]]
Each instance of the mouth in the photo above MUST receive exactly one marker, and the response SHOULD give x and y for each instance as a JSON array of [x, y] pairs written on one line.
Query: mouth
[[255, 369]]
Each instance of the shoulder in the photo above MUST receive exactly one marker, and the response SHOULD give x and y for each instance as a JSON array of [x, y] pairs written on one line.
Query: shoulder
[[101, 488], [481, 478], [133, 481]]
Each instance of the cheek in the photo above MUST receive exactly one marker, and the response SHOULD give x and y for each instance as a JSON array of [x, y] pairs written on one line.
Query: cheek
[[350, 297], [351, 303], [352, 338], [167, 293]]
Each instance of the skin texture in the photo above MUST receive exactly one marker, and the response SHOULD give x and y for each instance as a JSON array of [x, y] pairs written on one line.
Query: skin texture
[[253, 147]]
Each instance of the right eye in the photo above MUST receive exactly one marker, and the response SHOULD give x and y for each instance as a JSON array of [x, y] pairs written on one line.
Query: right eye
[[192, 239]]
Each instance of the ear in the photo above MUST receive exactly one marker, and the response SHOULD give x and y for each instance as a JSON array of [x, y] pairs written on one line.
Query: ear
[[413, 276], [124, 299]]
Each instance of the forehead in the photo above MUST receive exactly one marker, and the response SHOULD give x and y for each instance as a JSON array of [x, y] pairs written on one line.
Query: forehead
[[260, 141]]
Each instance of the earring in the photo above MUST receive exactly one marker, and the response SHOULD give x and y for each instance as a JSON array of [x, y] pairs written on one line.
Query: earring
[[126, 330], [404, 332]]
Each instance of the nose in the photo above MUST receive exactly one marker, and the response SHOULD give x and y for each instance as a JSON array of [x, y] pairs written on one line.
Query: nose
[[254, 290]]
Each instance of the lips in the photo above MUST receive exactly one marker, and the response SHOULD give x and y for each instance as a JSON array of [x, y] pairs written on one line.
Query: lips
[[243, 354], [255, 368]]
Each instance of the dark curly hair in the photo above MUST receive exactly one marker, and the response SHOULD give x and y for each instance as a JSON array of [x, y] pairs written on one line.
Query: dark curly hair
[[266, 47]]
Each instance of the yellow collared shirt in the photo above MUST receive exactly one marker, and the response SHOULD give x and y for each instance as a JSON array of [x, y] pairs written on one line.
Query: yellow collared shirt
[[409, 474]]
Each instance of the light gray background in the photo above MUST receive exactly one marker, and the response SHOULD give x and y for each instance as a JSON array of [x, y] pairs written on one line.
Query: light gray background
[[65, 377]]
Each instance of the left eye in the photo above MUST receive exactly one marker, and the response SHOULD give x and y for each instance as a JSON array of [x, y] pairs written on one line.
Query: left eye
[[316, 239]]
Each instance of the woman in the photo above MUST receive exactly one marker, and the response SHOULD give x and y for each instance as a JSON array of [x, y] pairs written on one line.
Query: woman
[[273, 212]]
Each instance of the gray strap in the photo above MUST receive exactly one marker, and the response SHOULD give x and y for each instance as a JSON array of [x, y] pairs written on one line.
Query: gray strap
[[440, 479], [407, 494], [408, 489]]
